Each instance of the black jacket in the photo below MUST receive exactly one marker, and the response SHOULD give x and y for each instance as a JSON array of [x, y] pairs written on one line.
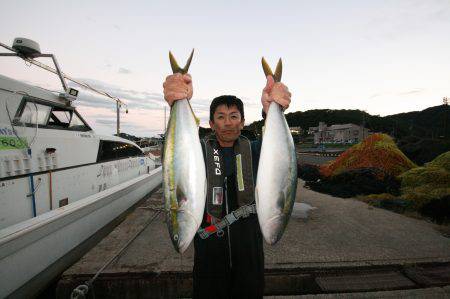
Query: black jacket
[[231, 266]]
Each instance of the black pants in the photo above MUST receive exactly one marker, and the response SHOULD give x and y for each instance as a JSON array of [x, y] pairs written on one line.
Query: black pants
[[216, 276]]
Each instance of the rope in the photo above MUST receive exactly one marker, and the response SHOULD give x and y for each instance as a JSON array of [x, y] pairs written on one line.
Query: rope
[[79, 292], [82, 290]]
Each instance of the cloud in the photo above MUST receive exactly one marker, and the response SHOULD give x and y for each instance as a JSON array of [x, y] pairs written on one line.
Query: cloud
[[90, 19], [124, 71], [398, 19], [134, 99], [375, 95], [90, 100], [136, 124], [106, 121], [145, 117], [398, 93], [410, 92]]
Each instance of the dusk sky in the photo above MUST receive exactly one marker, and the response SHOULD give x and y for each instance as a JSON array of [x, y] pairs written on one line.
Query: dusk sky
[[384, 57]]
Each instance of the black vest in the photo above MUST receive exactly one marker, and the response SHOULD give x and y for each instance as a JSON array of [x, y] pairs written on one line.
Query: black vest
[[245, 185]]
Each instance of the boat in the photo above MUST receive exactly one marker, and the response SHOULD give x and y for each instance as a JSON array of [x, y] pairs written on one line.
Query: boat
[[62, 186]]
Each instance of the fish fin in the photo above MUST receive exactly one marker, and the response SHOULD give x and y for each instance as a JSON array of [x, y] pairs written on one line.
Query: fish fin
[[173, 64], [176, 68], [287, 202], [197, 120], [188, 63], [181, 197], [266, 68], [278, 71]]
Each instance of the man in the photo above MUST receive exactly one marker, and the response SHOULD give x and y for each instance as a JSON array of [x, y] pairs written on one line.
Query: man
[[228, 262]]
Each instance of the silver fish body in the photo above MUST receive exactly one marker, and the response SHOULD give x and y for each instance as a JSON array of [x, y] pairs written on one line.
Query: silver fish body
[[276, 183], [184, 176]]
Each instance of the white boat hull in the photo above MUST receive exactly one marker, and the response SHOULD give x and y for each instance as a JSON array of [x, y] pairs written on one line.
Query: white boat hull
[[28, 249]]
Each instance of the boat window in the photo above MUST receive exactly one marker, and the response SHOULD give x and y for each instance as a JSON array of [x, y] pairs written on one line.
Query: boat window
[[34, 113], [68, 119], [112, 150], [76, 122], [60, 117]]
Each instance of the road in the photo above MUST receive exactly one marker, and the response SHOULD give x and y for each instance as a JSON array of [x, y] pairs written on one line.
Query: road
[[343, 246]]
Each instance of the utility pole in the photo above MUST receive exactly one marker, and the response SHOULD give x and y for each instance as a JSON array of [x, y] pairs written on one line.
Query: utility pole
[[118, 117], [445, 101], [118, 106]]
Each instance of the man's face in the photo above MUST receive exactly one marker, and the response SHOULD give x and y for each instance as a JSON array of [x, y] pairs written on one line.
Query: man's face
[[227, 124]]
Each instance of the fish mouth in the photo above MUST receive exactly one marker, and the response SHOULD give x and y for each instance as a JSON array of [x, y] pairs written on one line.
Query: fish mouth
[[182, 246], [188, 227], [273, 229]]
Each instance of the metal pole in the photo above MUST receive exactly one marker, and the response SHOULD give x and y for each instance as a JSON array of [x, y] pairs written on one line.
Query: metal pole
[[445, 100], [50, 69], [118, 117], [60, 75], [63, 76]]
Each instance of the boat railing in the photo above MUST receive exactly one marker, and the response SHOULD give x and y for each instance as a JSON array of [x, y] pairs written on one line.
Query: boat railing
[[69, 94]]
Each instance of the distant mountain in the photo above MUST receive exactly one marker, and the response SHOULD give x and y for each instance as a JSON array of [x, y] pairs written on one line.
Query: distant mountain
[[433, 122], [421, 135]]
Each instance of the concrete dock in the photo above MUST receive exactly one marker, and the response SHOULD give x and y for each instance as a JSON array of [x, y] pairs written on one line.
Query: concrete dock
[[344, 247]]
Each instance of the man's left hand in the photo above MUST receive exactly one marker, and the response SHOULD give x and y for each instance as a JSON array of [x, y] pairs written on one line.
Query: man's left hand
[[276, 92]]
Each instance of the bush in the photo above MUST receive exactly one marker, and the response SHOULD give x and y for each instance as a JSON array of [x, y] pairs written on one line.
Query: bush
[[388, 201], [308, 172], [376, 197], [442, 161], [428, 188], [420, 176], [424, 194], [356, 182], [437, 209], [421, 150], [428, 183]]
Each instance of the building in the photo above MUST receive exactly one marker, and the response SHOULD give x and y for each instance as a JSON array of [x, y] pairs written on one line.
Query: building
[[296, 130], [346, 133]]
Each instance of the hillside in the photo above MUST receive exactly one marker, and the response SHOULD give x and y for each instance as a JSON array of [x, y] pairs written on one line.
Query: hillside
[[420, 135], [429, 123]]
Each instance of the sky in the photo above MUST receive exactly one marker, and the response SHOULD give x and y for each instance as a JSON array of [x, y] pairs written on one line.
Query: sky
[[384, 57]]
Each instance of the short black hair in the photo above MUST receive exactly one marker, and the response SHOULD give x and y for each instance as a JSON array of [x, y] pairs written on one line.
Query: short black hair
[[225, 100]]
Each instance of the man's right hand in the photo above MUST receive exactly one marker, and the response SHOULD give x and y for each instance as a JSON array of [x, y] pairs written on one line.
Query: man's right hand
[[177, 87]]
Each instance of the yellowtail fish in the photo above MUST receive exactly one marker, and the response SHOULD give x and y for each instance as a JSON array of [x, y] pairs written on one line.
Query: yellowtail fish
[[276, 182], [184, 175]]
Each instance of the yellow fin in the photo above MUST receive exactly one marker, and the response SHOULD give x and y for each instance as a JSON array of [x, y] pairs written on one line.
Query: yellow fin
[[268, 70], [278, 71], [176, 68]]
